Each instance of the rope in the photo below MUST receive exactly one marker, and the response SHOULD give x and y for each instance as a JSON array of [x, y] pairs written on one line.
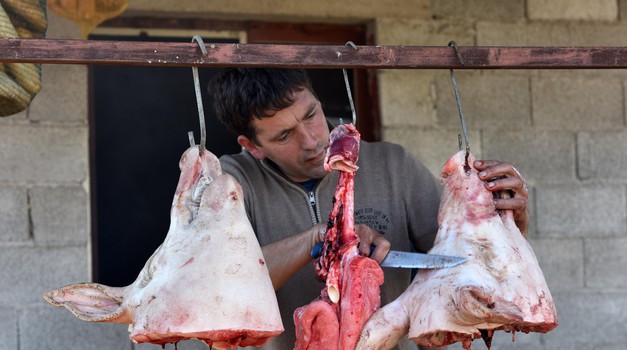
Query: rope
[[20, 82]]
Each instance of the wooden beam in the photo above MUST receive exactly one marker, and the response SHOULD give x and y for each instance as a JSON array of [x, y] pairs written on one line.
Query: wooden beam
[[90, 52]]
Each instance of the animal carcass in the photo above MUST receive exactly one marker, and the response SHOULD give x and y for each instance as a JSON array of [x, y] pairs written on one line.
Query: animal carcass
[[207, 280], [351, 295], [499, 287]]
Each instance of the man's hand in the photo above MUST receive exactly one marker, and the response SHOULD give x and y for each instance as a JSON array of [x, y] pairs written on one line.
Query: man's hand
[[502, 176], [367, 237]]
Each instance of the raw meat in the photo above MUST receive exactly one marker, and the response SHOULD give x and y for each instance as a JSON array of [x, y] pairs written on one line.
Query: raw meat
[[499, 287], [208, 279], [351, 295]]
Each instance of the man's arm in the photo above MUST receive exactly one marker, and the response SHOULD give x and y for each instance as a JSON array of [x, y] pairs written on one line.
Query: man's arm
[[286, 257]]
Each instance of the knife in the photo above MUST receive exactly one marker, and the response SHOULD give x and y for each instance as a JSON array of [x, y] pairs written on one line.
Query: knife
[[407, 260]]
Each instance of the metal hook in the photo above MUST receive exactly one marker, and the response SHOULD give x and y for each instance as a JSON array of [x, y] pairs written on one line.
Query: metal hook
[[459, 104], [201, 112], [348, 88], [457, 52]]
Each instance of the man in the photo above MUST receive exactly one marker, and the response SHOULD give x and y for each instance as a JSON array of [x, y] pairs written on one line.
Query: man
[[288, 194]]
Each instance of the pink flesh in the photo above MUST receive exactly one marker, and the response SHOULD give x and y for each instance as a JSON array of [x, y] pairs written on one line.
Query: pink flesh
[[317, 326], [362, 277], [340, 238], [208, 280], [343, 150], [499, 287], [335, 322]]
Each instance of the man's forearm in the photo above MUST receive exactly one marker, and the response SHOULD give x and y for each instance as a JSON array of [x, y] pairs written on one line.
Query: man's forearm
[[286, 257]]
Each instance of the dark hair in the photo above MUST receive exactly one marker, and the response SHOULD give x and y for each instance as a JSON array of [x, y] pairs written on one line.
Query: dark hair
[[241, 94]]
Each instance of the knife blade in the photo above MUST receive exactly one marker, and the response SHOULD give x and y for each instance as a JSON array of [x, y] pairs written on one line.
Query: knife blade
[[419, 260], [407, 260]]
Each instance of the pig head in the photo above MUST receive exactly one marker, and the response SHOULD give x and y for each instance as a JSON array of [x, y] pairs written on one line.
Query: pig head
[[207, 280], [499, 287]]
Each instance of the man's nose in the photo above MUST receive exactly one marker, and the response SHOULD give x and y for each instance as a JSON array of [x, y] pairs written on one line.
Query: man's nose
[[309, 140]]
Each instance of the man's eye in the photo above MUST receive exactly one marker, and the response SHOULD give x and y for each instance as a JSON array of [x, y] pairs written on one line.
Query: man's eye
[[282, 137]]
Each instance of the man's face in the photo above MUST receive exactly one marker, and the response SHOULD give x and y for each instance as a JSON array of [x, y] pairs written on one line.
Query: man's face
[[295, 138]]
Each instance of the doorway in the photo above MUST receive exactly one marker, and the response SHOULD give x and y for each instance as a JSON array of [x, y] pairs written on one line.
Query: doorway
[[139, 119], [139, 125]]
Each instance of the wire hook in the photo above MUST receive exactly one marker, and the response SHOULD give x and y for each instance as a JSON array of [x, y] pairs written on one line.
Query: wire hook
[[348, 88], [459, 105], [201, 112]]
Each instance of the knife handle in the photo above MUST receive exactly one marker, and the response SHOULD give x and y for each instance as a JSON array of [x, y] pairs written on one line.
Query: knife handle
[[316, 251]]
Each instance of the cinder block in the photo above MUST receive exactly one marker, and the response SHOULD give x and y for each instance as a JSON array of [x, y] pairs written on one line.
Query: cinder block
[[581, 211], [600, 10], [431, 146], [622, 6], [43, 154], [589, 320], [61, 27], [520, 34], [585, 167], [577, 104], [608, 345], [517, 341], [46, 327], [334, 9], [28, 272], [502, 340], [601, 155], [540, 156], [14, 226], [488, 100], [397, 31], [510, 10], [60, 215], [532, 231], [561, 261], [406, 97], [598, 34], [287, 9], [66, 99], [8, 329], [606, 263], [544, 33], [17, 117]]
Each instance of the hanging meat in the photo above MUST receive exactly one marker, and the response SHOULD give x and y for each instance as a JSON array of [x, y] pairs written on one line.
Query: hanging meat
[[208, 279], [499, 287], [351, 295]]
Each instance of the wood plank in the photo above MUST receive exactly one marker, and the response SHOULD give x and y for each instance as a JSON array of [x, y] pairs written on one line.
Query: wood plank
[[52, 51]]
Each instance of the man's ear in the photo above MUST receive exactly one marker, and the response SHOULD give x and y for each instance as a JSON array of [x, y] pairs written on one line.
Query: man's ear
[[250, 146]]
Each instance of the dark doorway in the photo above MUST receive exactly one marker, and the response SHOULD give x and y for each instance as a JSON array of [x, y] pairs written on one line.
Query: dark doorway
[[139, 119]]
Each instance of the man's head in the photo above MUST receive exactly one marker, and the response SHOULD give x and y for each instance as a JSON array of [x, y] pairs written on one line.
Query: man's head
[[276, 115], [242, 94]]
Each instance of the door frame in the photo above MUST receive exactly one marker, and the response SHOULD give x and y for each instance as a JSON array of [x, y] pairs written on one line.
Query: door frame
[[364, 82]]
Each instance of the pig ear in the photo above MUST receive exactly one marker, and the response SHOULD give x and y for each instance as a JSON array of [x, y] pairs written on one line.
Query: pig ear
[[91, 302]]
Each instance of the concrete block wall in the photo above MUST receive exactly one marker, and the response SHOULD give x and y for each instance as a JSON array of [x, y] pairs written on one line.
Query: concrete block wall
[[565, 130], [45, 214]]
